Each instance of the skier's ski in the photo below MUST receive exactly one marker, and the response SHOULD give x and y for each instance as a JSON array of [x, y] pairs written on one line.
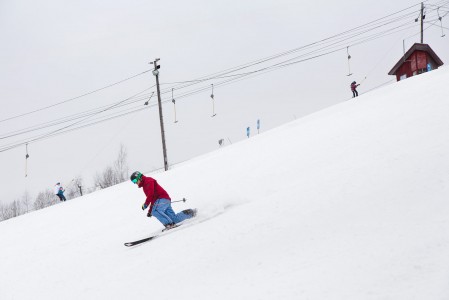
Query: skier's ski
[[140, 241], [130, 244], [184, 224]]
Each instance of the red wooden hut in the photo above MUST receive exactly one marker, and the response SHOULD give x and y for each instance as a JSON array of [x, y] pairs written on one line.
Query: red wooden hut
[[418, 59]]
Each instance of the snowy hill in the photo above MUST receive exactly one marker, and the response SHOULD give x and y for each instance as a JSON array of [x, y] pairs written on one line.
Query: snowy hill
[[347, 203]]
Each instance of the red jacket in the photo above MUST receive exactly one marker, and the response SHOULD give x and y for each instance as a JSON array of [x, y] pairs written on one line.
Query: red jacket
[[152, 190], [354, 86]]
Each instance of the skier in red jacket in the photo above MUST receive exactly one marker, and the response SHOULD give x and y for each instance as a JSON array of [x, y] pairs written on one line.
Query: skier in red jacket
[[354, 86], [159, 202]]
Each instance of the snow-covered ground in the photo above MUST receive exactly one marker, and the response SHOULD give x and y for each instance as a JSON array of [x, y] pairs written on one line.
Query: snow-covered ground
[[351, 202]]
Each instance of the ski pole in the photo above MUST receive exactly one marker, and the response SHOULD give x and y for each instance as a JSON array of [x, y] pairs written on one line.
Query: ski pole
[[154, 206], [363, 80], [183, 200]]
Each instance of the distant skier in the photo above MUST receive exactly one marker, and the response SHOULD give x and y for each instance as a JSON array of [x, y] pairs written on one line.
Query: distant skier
[[354, 86], [59, 191], [159, 202]]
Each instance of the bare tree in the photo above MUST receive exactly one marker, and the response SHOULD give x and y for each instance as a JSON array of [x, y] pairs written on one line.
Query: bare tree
[[114, 174], [44, 199], [121, 165], [105, 179], [5, 212], [26, 202], [74, 189], [15, 208], [11, 210]]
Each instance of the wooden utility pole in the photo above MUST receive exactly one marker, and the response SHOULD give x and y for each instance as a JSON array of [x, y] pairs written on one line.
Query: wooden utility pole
[[422, 22], [161, 119]]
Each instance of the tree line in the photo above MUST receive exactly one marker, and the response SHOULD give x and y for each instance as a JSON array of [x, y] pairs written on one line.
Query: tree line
[[113, 174]]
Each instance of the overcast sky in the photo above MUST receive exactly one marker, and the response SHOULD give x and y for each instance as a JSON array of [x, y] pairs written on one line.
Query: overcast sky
[[53, 52]]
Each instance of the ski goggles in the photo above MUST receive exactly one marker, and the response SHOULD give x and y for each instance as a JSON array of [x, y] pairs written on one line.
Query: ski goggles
[[135, 180]]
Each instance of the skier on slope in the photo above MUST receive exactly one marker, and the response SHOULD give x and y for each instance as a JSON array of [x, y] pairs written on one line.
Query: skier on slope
[[159, 202], [59, 191], [354, 86]]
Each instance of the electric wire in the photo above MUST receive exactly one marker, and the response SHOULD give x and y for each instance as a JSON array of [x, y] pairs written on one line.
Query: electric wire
[[237, 77], [300, 48], [66, 119], [66, 128], [74, 98], [260, 60]]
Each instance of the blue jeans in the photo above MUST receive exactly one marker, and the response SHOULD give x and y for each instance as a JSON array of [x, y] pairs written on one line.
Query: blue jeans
[[61, 196], [164, 213]]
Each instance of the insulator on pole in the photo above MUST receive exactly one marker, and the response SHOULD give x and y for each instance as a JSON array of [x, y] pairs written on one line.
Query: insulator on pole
[[213, 101], [174, 104]]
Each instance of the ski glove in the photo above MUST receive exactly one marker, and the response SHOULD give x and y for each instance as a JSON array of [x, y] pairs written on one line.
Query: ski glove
[[144, 206], [149, 213]]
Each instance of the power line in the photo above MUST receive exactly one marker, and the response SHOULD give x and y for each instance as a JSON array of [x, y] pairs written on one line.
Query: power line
[[375, 25], [342, 37], [74, 98], [69, 118], [65, 128], [68, 129], [375, 22], [222, 73], [237, 68], [329, 44]]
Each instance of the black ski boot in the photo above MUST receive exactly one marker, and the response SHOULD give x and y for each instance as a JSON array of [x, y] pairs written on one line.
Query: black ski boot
[[190, 212], [169, 226]]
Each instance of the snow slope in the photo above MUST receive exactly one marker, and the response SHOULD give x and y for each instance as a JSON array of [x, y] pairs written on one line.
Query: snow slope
[[347, 203]]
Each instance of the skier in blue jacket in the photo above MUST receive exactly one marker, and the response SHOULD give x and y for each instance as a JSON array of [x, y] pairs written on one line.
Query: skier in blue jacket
[[59, 191]]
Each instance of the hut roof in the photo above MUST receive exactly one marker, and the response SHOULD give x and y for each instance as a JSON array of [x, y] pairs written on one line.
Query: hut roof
[[416, 47]]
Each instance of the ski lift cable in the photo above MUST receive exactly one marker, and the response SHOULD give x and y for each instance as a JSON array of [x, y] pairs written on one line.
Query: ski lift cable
[[291, 58], [67, 119], [267, 69], [419, 32], [438, 4], [84, 119], [279, 65], [91, 123], [50, 135], [283, 64], [238, 75], [74, 98], [226, 82], [224, 76], [57, 122], [376, 65], [248, 64], [335, 45], [433, 24], [296, 49], [249, 73]]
